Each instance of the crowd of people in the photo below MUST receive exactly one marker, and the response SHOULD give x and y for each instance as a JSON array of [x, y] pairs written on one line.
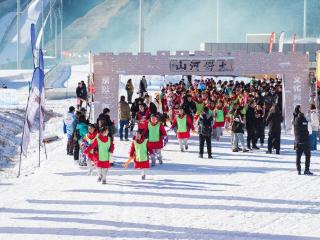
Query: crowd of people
[[207, 108]]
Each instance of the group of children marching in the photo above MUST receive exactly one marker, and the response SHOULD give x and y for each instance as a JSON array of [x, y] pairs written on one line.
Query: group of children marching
[[97, 146]]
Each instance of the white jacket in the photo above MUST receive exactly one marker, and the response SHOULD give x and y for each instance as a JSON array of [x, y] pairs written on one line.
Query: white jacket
[[314, 120]]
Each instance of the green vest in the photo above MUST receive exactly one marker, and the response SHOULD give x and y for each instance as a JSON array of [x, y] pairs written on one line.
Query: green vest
[[103, 148], [182, 124], [199, 107], [154, 132], [141, 151], [220, 115]]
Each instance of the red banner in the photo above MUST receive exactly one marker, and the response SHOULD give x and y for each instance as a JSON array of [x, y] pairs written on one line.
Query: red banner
[[271, 42], [294, 43]]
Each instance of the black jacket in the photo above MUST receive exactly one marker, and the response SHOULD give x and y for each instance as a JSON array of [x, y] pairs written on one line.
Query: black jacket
[[205, 124], [153, 108], [237, 126], [189, 107], [250, 118], [79, 92], [274, 120], [301, 133]]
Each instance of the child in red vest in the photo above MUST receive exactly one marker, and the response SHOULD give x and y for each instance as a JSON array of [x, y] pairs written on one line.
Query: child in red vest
[[183, 123], [139, 152], [105, 149], [157, 137], [87, 140]]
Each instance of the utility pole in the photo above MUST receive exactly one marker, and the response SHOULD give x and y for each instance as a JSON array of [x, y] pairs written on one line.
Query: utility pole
[[218, 17], [18, 34], [61, 30], [42, 25], [305, 19], [141, 28]]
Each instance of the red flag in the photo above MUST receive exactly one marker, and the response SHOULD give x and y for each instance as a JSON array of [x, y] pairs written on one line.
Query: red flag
[[271, 42], [294, 43]]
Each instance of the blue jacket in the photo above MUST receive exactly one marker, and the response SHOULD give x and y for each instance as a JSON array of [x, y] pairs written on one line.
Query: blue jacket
[[70, 123]]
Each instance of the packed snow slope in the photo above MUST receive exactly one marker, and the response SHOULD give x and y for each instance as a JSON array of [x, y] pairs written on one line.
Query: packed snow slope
[[233, 196]]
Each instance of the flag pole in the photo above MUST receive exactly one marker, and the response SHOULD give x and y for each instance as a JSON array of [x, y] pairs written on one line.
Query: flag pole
[[39, 130], [24, 125]]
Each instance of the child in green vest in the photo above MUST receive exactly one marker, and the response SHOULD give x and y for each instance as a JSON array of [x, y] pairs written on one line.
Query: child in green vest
[[219, 120], [105, 149], [157, 136], [139, 152], [184, 124]]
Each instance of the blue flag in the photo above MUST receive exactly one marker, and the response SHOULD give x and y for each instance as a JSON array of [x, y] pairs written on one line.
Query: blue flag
[[35, 105], [41, 62], [33, 43]]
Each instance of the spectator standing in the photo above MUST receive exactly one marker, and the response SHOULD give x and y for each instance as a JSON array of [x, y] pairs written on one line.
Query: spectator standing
[[130, 90], [301, 135], [124, 117], [84, 91], [79, 96], [314, 124], [143, 86], [274, 120], [250, 125], [70, 123]]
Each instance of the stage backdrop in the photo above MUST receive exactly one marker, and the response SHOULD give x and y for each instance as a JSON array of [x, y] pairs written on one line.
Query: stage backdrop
[[292, 66]]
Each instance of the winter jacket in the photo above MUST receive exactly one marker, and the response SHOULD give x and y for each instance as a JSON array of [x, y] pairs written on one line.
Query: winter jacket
[[237, 124], [152, 108], [70, 122], [79, 92], [129, 87], [274, 120], [250, 117], [301, 133], [82, 130], [124, 111], [205, 124], [314, 120], [189, 107]]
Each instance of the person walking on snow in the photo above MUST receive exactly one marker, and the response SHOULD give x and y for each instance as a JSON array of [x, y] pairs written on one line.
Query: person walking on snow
[[301, 141], [125, 117], [183, 123], [139, 152], [157, 136], [205, 131], [105, 149], [87, 140], [70, 123], [81, 131]]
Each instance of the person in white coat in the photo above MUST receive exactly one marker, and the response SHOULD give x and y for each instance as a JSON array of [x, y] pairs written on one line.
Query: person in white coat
[[313, 119]]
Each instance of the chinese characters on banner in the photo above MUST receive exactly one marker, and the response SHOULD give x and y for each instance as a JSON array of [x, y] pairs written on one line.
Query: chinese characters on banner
[[297, 93], [208, 65]]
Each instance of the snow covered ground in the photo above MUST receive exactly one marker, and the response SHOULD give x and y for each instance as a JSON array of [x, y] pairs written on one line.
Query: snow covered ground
[[233, 196]]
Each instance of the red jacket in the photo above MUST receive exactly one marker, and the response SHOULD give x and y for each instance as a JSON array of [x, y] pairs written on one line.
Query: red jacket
[[143, 118]]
